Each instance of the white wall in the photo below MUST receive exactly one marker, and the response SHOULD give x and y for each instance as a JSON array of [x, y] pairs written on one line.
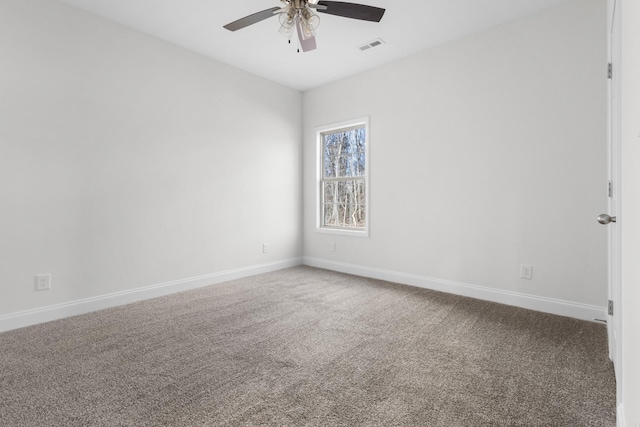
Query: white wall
[[486, 153], [127, 162], [630, 214]]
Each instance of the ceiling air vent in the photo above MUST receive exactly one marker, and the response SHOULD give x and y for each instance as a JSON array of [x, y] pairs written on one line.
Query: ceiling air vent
[[367, 46]]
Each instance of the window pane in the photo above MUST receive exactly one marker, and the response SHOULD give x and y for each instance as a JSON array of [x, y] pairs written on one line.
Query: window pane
[[341, 165], [348, 191], [330, 192], [344, 190], [360, 215], [329, 167], [330, 214], [360, 192], [344, 203], [355, 165], [349, 215], [342, 215], [344, 153]]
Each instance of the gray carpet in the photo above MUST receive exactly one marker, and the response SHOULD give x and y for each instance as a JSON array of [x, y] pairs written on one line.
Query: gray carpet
[[308, 347]]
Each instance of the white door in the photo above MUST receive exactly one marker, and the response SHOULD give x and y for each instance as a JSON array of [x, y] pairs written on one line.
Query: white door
[[615, 267]]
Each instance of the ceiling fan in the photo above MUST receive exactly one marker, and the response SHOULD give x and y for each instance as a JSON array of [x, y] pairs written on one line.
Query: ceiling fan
[[301, 15]]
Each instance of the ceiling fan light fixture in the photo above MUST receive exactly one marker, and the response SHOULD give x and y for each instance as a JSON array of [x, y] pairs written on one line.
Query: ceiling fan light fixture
[[313, 22], [304, 32], [285, 31], [286, 19], [308, 22], [307, 33]]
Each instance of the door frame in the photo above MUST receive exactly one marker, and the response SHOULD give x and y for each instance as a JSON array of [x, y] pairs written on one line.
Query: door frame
[[614, 322]]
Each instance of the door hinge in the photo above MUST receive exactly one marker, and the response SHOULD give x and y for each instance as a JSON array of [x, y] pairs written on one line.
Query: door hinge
[[610, 308], [609, 70], [610, 189]]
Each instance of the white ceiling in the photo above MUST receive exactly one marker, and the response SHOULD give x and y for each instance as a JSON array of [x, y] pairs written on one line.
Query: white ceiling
[[407, 27]]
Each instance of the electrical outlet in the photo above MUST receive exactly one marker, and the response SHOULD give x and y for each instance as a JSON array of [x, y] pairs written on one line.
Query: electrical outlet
[[265, 248], [43, 282], [333, 247], [526, 271]]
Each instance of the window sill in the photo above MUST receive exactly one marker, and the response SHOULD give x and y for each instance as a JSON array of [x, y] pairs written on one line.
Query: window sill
[[343, 231]]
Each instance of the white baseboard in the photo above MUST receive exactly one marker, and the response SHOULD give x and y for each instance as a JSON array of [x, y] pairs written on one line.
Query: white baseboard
[[531, 302], [620, 416], [74, 308]]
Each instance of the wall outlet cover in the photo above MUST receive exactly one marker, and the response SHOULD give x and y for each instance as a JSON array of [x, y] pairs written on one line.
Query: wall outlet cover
[[526, 271], [43, 282]]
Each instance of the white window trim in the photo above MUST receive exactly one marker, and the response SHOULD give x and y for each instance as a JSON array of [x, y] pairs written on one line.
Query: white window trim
[[319, 170]]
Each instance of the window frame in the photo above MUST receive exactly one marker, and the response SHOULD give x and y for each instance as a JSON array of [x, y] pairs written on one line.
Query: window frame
[[333, 128]]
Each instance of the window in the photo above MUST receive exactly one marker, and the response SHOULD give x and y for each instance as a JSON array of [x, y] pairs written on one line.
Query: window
[[343, 183]]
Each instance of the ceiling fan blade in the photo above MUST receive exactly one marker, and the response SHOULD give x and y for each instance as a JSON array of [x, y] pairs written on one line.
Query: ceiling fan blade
[[352, 10], [251, 19], [308, 43]]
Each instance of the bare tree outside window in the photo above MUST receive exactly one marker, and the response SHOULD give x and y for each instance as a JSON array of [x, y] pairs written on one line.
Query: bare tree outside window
[[343, 181]]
